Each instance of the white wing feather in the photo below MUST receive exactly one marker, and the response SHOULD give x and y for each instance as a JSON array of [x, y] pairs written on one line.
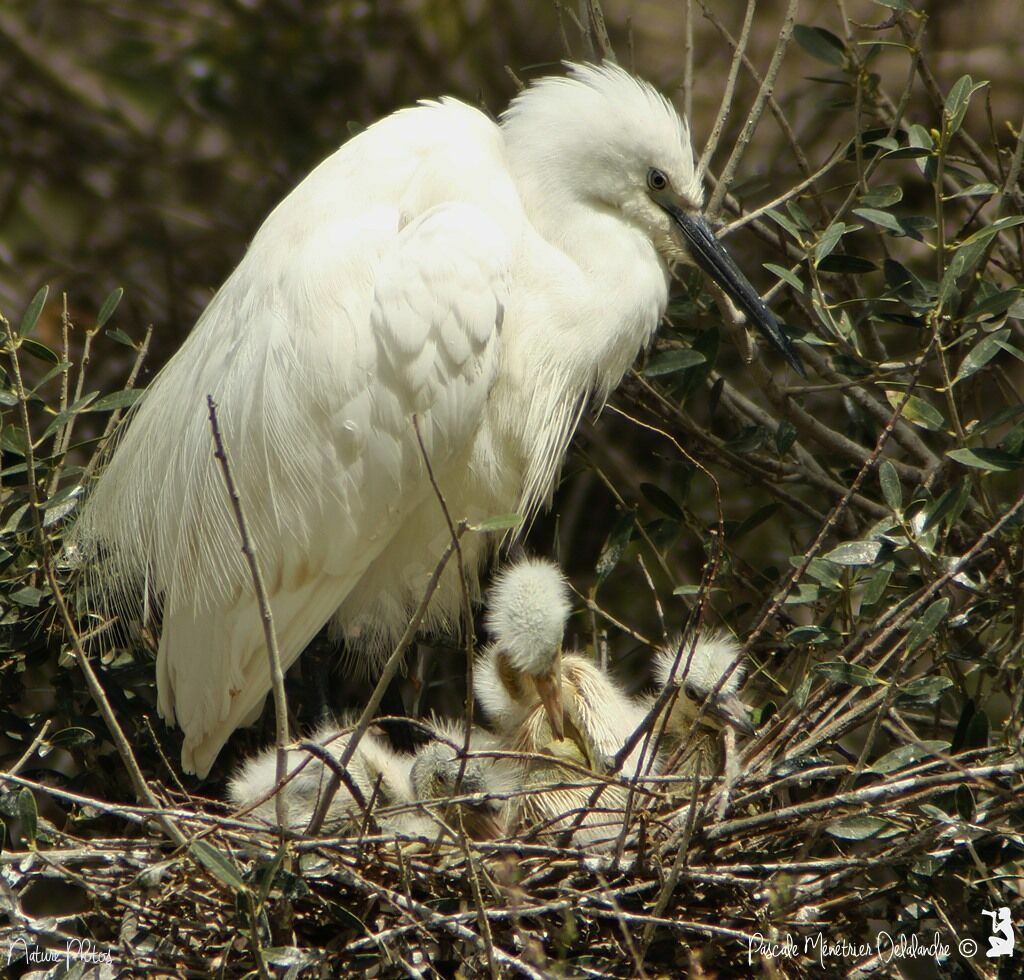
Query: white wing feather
[[350, 313]]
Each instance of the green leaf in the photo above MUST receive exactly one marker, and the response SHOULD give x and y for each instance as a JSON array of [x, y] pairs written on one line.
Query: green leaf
[[846, 265], [804, 592], [982, 235], [924, 690], [28, 814], [109, 305], [615, 545], [845, 673], [28, 321], [662, 501], [957, 101], [996, 304], [952, 502], [926, 626], [980, 354], [754, 520], [829, 240], [62, 418], [881, 218], [803, 690], [787, 276], [821, 44], [12, 440], [806, 634], [855, 553], [882, 196], [71, 737], [784, 222], [861, 828], [891, 488], [218, 864], [499, 522], [39, 351], [918, 411], [974, 190], [27, 596], [120, 337], [785, 436], [821, 571], [118, 399], [985, 459], [907, 755], [672, 361], [876, 586]]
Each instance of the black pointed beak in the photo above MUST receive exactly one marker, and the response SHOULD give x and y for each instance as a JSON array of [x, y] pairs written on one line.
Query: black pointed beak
[[712, 258], [731, 710]]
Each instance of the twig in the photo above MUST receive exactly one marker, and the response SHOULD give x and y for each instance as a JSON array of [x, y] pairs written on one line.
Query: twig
[[281, 737]]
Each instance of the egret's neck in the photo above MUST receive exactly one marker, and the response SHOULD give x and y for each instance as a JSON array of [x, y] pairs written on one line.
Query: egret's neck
[[611, 285], [592, 292]]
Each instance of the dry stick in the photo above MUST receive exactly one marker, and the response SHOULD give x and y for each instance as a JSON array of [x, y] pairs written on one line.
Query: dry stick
[[746, 218], [768, 470], [672, 879], [390, 669], [595, 31], [65, 349], [725, 106], [266, 616], [688, 59], [27, 754], [876, 793], [140, 356], [756, 111], [903, 433], [467, 609], [428, 916], [478, 898], [142, 790]]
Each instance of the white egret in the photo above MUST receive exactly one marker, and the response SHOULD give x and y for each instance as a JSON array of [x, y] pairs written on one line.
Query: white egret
[[699, 668], [487, 280], [440, 772], [377, 771], [562, 707]]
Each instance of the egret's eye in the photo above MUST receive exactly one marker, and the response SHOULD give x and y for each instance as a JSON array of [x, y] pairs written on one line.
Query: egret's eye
[[656, 180], [691, 692]]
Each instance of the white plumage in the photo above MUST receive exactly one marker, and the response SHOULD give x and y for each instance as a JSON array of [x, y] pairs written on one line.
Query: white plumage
[[564, 708], [381, 775], [489, 280], [699, 666]]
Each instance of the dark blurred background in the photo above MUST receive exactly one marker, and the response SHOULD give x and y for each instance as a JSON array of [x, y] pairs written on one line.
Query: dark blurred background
[[142, 143]]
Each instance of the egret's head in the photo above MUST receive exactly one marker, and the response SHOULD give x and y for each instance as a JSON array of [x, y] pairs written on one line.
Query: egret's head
[[612, 141], [699, 672], [436, 775], [527, 609]]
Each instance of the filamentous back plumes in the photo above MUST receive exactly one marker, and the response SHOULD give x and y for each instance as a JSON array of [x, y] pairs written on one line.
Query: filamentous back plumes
[[441, 288]]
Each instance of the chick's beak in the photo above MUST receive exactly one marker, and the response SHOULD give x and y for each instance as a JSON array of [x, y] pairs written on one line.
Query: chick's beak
[[729, 709], [549, 687], [707, 252]]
